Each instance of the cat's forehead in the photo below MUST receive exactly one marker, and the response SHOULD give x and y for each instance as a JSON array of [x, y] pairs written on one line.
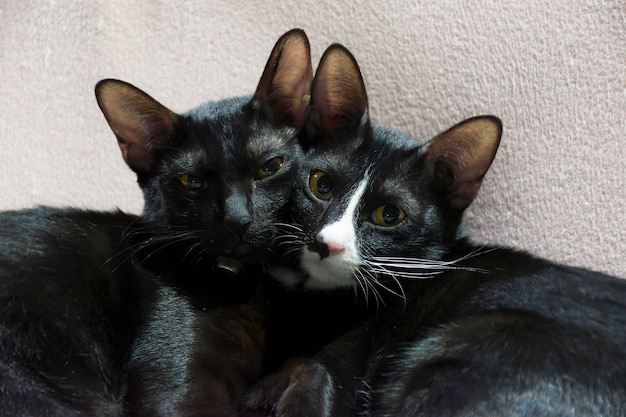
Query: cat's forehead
[[227, 139], [231, 126], [394, 138], [264, 138], [392, 150], [384, 153]]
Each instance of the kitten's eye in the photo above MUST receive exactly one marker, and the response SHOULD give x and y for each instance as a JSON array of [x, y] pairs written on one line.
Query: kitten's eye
[[321, 185], [388, 215], [269, 168], [193, 183]]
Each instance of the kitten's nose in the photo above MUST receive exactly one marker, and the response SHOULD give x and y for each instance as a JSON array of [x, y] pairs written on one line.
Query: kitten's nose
[[326, 247], [237, 215]]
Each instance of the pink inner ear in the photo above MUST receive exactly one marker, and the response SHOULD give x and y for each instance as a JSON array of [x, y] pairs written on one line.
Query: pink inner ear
[[291, 86], [339, 99], [461, 156], [137, 158], [136, 119], [461, 197], [285, 87]]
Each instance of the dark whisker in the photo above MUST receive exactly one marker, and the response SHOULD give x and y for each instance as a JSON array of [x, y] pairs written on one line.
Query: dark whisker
[[154, 242]]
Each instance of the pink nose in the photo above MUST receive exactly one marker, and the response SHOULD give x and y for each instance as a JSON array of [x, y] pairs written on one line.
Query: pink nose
[[334, 247]]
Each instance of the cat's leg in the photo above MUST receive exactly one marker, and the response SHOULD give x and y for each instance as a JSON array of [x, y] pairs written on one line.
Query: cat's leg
[[302, 387], [323, 386], [194, 360], [226, 359]]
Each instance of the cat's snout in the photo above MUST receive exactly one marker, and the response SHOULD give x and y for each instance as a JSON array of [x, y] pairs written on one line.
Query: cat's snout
[[237, 239], [243, 249], [238, 228], [318, 247], [325, 248], [237, 213]]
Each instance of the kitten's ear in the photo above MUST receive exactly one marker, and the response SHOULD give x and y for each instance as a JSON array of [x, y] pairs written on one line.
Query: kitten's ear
[[138, 121], [461, 156], [338, 98], [284, 89]]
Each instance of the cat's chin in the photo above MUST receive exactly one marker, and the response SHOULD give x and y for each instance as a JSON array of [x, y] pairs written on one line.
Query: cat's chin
[[334, 271], [241, 256]]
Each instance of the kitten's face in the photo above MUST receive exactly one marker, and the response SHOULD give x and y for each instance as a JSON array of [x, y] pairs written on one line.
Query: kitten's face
[[223, 178], [360, 206], [217, 179], [381, 208], [373, 206]]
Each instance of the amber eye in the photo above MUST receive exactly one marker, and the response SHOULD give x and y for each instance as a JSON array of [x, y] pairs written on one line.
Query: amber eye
[[192, 182], [388, 215], [321, 185], [269, 168]]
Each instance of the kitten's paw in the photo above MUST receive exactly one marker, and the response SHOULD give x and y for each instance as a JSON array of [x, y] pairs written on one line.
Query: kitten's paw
[[265, 394], [302, 388]]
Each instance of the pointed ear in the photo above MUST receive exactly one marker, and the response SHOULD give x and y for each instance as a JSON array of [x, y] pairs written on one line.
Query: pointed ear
[[284, 90], [338, 98], [461, 156], [138, 121]]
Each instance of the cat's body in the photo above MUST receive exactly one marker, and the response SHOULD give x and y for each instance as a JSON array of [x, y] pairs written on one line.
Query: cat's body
[[63, 327], [525, 337], [219, 177], [457, 329], [160, 316], [200, 328]]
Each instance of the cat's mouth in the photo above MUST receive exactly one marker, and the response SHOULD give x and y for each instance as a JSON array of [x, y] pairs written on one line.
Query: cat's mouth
[[241, 250], [328, 272]]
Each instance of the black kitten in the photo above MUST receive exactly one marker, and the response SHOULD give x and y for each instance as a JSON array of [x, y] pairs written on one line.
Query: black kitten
[[216, 181], [461, 329], [172, 294]]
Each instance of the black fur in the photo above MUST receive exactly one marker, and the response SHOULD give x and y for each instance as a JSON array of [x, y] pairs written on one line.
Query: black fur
[[458, 329], [63, 327], [200, 341], [107, 314], [528, 337]]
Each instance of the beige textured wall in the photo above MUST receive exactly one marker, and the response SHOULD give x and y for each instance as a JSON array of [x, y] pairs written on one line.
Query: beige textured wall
[[555, 72]]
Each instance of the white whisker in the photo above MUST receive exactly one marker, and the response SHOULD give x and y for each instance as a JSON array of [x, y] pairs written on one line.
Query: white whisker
[[374, 273], [424, 268], [362, 284], [368, 278], [408, 275]]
